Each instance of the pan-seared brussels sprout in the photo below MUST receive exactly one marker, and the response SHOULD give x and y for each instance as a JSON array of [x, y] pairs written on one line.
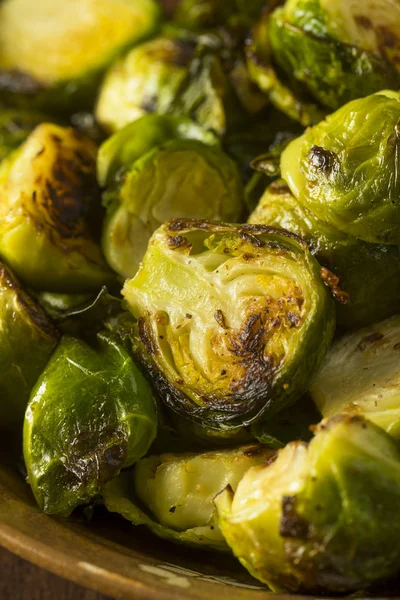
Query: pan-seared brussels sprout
[[49, 205], [129, 144], [90, 414], [15, 127], [322, 517], [233, 320], [344, 170], [181, 178], [177, 492], [53, 56], [27, 340], [146, 80], [369, 274], [362, 375], [326, 53]]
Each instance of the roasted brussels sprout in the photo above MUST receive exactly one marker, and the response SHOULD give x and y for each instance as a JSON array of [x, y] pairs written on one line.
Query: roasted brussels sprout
[[27, 341], [146, 80], [233, 320], [49, 205], [361, 375], [369, 274], [322, 517], [15, 127], [90, 414], [344, 170], [181, 178], [327, 52], [53, 57], [177, 492]]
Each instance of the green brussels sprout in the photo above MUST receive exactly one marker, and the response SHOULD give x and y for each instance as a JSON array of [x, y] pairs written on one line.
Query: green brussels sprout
[[49, 205], [54, 58], [205, 14], [181, 178], [233, 320], [15, 127], [369, 274], [326, 53], [90, 414], [129, 144], [344, 170], [146, 80], [27, 341], [361, 375], [322, 517], [177, 491]]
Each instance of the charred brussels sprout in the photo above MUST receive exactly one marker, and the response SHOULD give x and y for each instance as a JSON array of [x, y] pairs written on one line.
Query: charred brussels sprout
[[177, 491], [330, 52], [361, 375], [344, 170], [15, 127], [181, 178], [27, 341], [90, 414], [49, 205], [54, 58], [369, 274], [146, 80], [232, 320], [322, 517]]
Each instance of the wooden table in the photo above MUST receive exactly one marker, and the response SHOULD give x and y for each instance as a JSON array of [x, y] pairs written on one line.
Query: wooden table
[[20, 580]]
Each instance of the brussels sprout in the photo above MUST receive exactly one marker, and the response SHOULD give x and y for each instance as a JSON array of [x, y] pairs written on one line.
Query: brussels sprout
[[129, 144], [181, 178], [361, 375], [49, 196], [344, 170], [316, 53], [146, 80], [15, 127], [177, 492], [233, 320], [27, 340], [205, 14], [90, 414], [54, 58], [369, 274], [322, 518]]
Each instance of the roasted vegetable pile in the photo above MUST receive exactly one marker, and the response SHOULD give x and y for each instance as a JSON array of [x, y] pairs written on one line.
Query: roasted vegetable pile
[[200, 275]]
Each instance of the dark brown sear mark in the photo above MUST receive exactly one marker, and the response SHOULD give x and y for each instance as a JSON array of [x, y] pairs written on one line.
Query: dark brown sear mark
[[369, 340], [333, 283]]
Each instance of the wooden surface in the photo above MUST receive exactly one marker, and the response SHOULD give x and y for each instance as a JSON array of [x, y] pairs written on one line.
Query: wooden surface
[[20, 580]]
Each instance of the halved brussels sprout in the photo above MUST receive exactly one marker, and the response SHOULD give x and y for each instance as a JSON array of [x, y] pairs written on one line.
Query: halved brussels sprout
[[181, 178], [90, 414], [344, 170], [177, 491], [233, 320], [362, 375], [129, 144], [326, 52], [53, 56], [369, 274], [49, 205], [322, 518], [15, 127], [146, 80], [27, 340]]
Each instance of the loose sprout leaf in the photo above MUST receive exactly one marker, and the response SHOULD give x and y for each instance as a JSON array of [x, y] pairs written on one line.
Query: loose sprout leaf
[[49, 207], [344, 170], [232, 320], [362, 376], [369, 274], [27, 340], [90, 414], [322, 518], [173, 494]]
